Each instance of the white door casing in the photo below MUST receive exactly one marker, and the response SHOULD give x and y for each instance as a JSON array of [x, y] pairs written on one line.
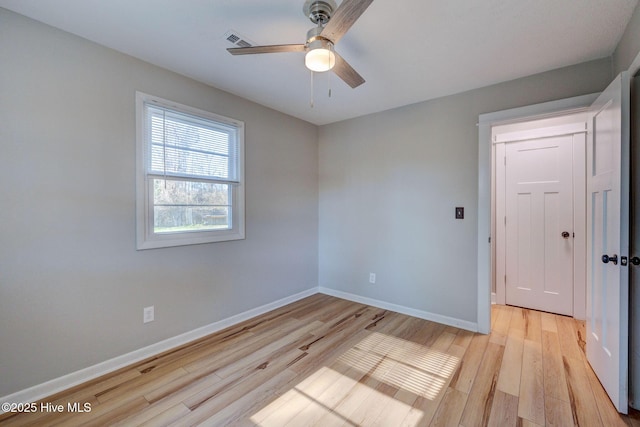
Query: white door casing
[[539, 224], [569, 128], [608, 154]]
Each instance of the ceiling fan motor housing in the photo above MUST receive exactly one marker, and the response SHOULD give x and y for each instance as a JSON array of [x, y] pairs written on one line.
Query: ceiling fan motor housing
[[319, 11], [314, 34]]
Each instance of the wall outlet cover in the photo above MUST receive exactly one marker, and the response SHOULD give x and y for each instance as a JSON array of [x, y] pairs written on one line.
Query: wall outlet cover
[[148, 314]]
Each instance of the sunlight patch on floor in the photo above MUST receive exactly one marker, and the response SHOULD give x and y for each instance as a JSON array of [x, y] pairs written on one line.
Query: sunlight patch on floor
[[299, 408], [414, 367], [373, 370]]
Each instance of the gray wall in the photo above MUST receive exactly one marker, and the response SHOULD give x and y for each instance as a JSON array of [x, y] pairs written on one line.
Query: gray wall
[[389, 183], [72, 285], [629, 44]]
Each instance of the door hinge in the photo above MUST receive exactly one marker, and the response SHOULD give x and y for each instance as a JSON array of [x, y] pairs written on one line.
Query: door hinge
[[505, 160], [505, 220], [505, 279]]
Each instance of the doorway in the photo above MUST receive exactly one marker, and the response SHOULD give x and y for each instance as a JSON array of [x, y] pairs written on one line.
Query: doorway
[[608, 136], [486, 233], [539, 213]]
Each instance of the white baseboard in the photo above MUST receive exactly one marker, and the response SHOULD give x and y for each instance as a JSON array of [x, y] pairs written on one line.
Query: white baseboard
[[40, 391], [493, 298], [451, 321]]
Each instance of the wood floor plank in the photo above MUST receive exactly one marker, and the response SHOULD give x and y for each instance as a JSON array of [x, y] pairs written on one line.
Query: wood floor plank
[[518, 321], [164, 418], [500, 328], [569, 341], [323, 361], [532, 326], [548, 322], [323, 350], [555, 383], [463, 378], [237, 385], [211, 361], [105, 414], [463, 338], [319, 397], [169, 399], [143, 384], [480, 401], [504, 411], [356, 397], [526, 423], [583, 404], [282, 406], [450, 409], [214, 414], [531, 396], [443, 342], [557, 412], [322, 401], [268, 352], [371, 409], [511, 368]]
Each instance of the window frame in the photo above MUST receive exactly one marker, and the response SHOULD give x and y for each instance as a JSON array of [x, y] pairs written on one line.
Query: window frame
[[146, 238]]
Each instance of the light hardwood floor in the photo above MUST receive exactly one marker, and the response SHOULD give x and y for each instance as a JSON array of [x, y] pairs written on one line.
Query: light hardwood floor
[[323, 361]]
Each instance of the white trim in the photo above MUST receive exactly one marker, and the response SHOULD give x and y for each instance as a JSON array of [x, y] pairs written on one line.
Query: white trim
[[580, 226], [56, 385], [523, 135], [493, 298], [40, 391], [485, 229], [576, 127], [421, 314], [498, 210]]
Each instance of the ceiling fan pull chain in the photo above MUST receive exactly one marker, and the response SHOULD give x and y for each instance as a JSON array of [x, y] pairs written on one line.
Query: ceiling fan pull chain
[[329, 72], [311, 89]]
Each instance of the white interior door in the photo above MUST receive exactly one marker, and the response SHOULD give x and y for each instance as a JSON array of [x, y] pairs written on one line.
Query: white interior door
[[539, 224], [608, 240]]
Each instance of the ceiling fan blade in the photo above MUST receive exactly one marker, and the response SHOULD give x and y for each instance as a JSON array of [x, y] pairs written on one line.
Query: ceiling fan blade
[[343, 18], [346, 72], [266, 49]]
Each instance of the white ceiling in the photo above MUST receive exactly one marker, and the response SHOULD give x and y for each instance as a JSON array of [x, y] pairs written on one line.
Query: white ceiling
[[408, 51]]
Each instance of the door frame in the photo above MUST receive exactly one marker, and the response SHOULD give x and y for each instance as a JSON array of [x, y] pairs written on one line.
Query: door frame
[[573, 125], [485, 166]]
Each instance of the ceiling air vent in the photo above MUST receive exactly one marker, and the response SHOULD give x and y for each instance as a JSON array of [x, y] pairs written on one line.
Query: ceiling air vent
[[237, 39]]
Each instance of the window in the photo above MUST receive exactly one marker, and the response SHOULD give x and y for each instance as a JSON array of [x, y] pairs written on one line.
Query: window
[[189, 175]]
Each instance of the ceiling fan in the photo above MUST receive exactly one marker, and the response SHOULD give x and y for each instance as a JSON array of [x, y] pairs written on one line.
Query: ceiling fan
[[332, 23]]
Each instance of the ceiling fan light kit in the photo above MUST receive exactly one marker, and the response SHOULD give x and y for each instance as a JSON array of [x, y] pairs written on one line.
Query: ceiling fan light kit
[[332, 23], [320, 56]]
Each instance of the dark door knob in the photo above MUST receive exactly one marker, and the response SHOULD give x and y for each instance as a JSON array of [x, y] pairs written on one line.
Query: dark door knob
[[635, 260], [613, 258], [565, 234]]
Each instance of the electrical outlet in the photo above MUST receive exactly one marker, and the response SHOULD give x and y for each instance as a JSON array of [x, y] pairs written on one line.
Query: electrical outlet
[[148, 314], [372, 277]]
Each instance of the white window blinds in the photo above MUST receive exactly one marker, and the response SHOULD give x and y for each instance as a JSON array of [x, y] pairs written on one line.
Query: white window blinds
[[187, 146]]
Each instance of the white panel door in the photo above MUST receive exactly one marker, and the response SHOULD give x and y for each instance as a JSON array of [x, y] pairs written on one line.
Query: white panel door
[[539, 224], [607, 240]]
